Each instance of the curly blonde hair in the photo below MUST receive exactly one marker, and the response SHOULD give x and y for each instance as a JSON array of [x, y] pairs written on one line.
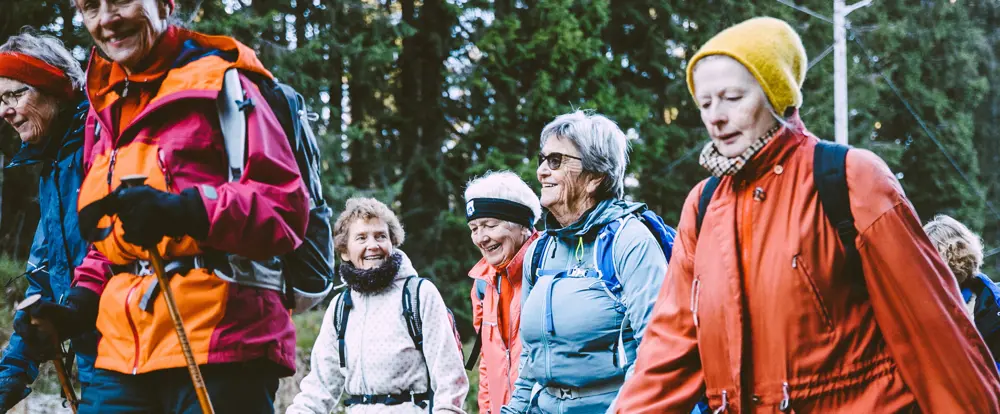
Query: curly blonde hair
[[959, 247], [365, 209]]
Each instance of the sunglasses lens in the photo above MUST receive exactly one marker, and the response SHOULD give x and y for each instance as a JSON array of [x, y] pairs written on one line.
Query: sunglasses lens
[[555, 161]]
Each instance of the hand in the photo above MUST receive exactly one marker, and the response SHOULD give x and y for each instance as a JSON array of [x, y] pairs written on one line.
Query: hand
[[148, 215], [76, 316], [12, 393], [38, 344]]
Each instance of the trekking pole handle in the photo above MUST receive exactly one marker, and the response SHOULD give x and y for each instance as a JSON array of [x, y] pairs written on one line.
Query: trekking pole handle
[[200, 389]]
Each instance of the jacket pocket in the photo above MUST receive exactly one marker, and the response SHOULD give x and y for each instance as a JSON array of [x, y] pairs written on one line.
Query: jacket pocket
[[800, 268]]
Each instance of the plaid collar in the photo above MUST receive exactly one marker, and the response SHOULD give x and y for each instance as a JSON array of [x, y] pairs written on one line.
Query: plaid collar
[[720, 165]]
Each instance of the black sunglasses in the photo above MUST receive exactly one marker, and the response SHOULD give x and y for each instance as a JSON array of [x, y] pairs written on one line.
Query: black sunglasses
[[555, 159]]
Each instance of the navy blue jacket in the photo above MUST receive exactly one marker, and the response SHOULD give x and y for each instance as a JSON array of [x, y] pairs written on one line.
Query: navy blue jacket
[[58, 247]]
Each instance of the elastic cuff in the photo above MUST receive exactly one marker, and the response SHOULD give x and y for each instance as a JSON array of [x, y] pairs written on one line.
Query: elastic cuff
[[194, 209], [86, 302]]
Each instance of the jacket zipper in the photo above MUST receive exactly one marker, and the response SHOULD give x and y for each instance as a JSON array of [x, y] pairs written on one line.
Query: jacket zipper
[[111, 167], [62, 213], [161, 161], [131, 324]]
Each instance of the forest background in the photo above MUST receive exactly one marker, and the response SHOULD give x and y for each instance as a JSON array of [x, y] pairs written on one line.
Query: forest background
[[415, 97]]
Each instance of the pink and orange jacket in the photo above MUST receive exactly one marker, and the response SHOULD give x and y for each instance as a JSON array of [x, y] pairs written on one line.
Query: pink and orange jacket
[[501, 335], [174, 139]]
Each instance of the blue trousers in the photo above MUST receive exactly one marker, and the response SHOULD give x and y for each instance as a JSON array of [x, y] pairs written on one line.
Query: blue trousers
[[247, 387]]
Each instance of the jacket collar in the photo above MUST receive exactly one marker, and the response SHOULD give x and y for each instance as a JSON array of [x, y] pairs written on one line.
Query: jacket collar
[[483, 270], [785, 142], [156, 65], [593, 220]]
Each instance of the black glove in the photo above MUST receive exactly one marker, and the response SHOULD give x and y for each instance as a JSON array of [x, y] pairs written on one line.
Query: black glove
[[38, 345], [148, 214], [12, 393], [76, 316]]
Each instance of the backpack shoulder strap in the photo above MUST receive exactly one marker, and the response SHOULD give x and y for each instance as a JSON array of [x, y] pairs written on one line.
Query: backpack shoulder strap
[[342, 311], [481, 289], [537, 256], [233, 122], [604, 255], [478, 345], [411, 311], [830, 174], [706, 197]]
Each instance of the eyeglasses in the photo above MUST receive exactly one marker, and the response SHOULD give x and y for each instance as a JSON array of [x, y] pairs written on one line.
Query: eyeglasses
[[9, 99], [555, 159]]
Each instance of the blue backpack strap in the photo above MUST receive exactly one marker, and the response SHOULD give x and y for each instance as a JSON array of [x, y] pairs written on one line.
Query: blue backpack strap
[[478, 345], [663, 233], [536, 257], [604, 259], [830, 174], [342, 312], [704, 199]]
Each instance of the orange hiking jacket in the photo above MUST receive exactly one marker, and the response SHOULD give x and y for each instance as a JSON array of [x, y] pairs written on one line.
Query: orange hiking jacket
[[173, 138], [756, 312], [500, 314]]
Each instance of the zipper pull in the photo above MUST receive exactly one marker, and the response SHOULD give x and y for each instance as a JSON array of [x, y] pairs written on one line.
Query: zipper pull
[[725, 404], [786, 401], [694, 301], [795, 262], [125, 89]]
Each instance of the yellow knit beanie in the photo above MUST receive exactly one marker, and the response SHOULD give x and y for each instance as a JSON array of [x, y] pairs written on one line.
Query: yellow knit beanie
[[771, 50]]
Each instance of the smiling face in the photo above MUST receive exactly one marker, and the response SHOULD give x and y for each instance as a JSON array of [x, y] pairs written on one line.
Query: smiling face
[[734, 108], [498, 240], [125, 30], [31, 111], [569, 191], [368, 243]]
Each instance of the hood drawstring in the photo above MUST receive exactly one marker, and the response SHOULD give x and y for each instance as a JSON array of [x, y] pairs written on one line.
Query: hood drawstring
[[579, 250]]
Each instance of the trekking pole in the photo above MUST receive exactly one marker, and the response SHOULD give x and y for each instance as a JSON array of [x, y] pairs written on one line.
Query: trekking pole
[[168, 295], [50, 331]]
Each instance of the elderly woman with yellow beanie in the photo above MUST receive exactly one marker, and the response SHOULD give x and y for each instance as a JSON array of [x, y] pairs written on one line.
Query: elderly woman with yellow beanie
[[765, 306]]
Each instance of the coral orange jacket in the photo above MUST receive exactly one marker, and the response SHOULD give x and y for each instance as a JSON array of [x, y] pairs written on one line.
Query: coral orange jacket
[[757, 312]]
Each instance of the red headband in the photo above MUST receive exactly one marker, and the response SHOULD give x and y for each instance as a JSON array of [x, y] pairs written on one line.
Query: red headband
[[37, 73], [171, 3]]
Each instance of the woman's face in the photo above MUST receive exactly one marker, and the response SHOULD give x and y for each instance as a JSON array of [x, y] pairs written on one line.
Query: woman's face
[[498, 240], [26, 109], [125, 30], [368, 243], [566, 188], [733, 107]]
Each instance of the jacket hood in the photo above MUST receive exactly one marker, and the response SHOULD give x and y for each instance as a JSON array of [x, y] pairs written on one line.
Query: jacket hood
[[197, 62], [483, 270], [603, 213], [405, 266], [68, 136]]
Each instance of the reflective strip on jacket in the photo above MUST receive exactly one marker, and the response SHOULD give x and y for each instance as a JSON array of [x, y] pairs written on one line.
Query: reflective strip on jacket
[[175, 141], [498, 360], [764, 318]]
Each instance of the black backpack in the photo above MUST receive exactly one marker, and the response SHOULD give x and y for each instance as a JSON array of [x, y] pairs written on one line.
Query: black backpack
[[411, 315], [305, 274], [830, 175]]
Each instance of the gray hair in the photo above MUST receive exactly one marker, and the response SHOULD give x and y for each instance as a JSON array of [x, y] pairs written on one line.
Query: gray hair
[[49, 50], [504, 185], [602, 145]]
